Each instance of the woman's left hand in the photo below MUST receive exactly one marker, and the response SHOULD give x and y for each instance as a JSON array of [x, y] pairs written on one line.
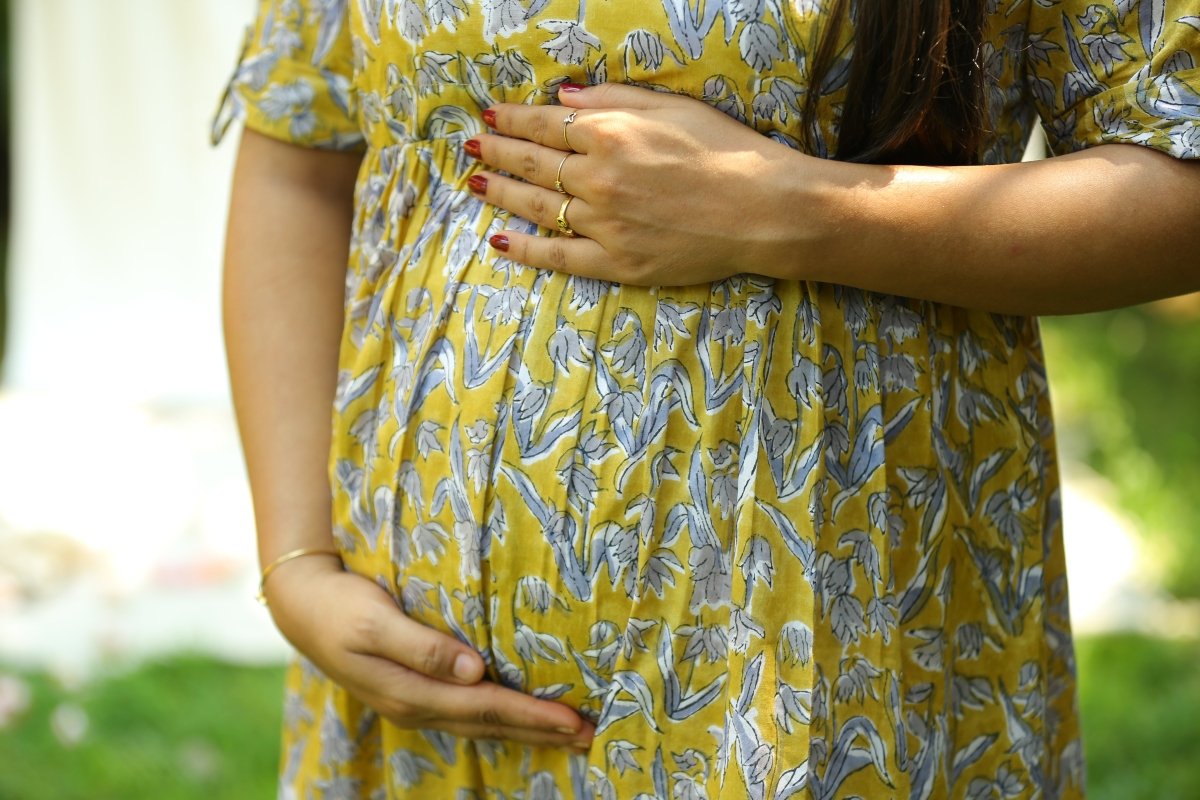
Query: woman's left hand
[[666, 190]]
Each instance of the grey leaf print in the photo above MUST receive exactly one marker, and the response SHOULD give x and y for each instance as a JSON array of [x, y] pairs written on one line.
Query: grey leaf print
[[445, 12], [759, 45], [647, 49], [502, 18], [571, 41]]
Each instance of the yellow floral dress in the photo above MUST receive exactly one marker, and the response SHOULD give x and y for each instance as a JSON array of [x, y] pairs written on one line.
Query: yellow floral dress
[[776, 539]]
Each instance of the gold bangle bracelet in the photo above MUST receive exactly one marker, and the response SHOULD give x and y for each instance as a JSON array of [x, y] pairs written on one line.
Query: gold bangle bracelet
[[303, 551]]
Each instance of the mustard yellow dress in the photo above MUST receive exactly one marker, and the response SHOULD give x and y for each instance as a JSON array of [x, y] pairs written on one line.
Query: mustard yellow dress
[[778, 540]]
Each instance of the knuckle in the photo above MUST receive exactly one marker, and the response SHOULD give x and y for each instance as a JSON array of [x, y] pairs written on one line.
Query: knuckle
[[530, 166], [537, 208], [557, 255], [538, 127], [489, 717], [490, 732], [430, 658]]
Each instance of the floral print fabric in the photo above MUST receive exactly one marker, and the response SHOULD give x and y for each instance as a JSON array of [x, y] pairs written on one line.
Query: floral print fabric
[[777, 539]]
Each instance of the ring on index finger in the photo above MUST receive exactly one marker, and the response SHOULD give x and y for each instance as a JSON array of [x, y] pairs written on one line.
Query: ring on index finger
[[566, 125], [558, 185]]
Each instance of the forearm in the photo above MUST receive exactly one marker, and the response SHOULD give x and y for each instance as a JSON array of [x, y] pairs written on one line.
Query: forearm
[[285, 259], [1106, 227]]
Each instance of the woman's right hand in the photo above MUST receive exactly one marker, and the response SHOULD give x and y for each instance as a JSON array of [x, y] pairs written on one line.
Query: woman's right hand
[[412, 675]]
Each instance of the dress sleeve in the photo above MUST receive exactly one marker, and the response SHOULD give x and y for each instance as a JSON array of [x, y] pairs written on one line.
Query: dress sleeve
[[293, 78], [1111, 71]]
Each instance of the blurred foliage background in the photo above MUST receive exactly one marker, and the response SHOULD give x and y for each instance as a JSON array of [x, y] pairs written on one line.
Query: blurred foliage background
[[1127, 396]]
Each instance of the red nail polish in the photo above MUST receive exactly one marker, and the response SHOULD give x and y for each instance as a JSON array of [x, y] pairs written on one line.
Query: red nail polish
[[571, 87], [477, 184], [489, 118], [473, 148], [499, 241]]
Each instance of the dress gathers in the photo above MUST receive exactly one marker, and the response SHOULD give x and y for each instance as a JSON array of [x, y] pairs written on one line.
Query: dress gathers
[[776, 539]]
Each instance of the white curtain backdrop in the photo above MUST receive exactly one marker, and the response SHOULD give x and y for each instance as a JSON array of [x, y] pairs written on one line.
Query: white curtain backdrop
[[124, 512], [118, 200]]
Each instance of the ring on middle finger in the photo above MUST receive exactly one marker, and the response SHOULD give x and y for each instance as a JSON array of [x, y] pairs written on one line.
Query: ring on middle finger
[[558, 186], [563, 226]]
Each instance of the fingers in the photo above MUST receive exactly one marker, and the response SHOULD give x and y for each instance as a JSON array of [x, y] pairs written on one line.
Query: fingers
[[521, 735], [547, 125], [582, 256], [533, 203], [579, 256], [388, 632], [490, 704], [358, 636], [417, 667], [529, 161], [484, 710], [614, 95]]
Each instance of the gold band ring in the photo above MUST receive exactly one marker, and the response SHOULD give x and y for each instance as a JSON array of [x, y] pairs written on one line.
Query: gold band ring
[[563, 227], [558, 177], [566, 124]]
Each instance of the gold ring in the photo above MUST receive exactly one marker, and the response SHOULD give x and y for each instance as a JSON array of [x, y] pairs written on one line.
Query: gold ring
[[563, 227], [566, 124], [558, 178]]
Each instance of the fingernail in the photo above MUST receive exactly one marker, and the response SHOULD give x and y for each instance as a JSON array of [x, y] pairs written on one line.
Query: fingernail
[[473, 148], [477, 184], [500, 242], [571, 87], [582, 746], [464, 667], [489, 118]]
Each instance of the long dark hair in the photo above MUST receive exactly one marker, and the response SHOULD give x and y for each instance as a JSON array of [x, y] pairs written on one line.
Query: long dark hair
[[916, 91]]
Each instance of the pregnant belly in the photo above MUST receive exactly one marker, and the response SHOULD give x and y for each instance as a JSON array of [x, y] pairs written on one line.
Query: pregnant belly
[[559, 465], [548, 467]]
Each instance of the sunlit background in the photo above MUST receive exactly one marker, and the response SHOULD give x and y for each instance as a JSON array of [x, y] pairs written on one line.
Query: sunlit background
[[133, 660]]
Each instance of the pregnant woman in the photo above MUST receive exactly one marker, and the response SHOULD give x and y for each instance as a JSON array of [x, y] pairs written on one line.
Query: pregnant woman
[[683, 445]]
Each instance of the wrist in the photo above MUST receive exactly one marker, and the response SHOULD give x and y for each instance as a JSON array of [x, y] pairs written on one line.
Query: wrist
[[303, 552], [799, 221], [291, 588]]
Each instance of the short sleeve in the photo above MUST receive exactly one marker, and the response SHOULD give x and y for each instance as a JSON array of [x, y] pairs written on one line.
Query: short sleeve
[[293, 78], [1117, 71]]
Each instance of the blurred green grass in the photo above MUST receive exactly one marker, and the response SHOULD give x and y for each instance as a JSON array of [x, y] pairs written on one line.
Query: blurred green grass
[[1126, 392], [184, 729], [196, 728], [1140, 704]]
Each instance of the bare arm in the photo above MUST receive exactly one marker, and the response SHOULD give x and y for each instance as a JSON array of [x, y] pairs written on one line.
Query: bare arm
[[285, 260], [1106, 227], [669, 191]]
